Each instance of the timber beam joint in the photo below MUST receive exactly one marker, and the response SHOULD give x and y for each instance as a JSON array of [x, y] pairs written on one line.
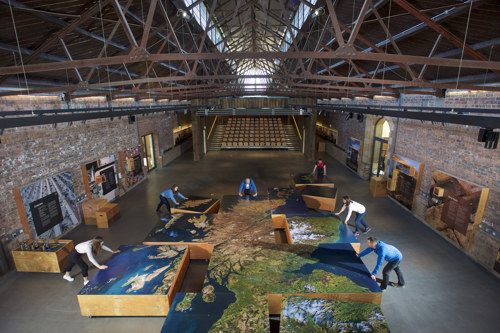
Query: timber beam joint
[[82, 85], [139, 54], [346, 50]]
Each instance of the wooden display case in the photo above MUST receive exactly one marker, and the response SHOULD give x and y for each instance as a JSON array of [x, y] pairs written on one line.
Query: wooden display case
[[107, 215], [378, 186], [54, 261]]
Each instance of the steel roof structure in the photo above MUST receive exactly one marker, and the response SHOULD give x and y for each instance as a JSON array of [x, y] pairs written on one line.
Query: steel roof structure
[[184, 49]]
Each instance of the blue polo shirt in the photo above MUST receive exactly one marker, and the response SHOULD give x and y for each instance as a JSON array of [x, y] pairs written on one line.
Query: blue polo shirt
[[169, 194], [385, 252]]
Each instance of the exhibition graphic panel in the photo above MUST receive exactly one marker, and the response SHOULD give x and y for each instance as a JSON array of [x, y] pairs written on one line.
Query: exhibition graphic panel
[[50, 206]]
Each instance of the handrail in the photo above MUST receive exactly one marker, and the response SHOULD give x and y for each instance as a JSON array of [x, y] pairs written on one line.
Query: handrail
[[297, 127], [213, 124]]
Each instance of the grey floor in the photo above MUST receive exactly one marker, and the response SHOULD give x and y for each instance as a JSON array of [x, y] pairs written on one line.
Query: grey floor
[[446, 291]]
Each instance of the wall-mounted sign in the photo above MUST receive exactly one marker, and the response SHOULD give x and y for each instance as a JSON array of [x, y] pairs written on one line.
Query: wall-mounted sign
[[46, 212]]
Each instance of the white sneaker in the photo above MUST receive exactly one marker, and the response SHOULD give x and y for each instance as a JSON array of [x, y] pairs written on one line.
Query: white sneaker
[[85, 282], [68, 278]]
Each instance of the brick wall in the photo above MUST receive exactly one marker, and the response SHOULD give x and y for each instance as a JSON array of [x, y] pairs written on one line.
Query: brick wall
[[30, 154], [455, 151], [161, 126], [452, 149]]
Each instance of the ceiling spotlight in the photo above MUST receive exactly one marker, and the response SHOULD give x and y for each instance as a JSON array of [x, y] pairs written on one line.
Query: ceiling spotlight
[[184, 14], [318, 12], [360, 117], [349, 116]]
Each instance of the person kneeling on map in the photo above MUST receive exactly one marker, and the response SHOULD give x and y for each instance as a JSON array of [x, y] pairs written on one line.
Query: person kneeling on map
[[247, 187]]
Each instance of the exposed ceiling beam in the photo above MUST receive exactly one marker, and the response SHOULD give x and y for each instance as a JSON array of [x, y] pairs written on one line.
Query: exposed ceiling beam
[[125, 25], [54, 20], [442, 31], [134, 58]]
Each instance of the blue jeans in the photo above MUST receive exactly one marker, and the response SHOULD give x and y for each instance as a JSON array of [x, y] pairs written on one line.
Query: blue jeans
[[359, 218]]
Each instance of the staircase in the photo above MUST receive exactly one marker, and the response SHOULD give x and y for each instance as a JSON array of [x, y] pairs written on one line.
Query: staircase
[[215, 141], [292, 141]]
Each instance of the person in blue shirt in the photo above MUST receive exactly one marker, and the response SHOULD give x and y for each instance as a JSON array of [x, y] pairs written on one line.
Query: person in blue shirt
[[170, 194], [388, 253], [247, 187]]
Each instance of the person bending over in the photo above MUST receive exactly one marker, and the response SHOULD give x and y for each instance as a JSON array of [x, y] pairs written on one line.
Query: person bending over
[[388, 253], [359, 209], [91, 248], [170, 194], [247, 187], [320, 165]]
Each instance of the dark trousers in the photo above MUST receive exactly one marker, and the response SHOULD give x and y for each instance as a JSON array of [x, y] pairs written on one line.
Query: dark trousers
[[163, 201], [359, 218], [392, 265], [75, 258]]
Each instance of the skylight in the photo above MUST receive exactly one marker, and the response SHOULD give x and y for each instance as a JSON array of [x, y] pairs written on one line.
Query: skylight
[[300, 17], [201, 15], [255, 83]]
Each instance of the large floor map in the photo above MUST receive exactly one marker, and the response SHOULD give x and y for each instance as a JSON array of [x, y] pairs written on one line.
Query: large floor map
[[259, 269], [304, 314], [204, 312], [316, 228], [181, 228], [137, 270], [294, 204]]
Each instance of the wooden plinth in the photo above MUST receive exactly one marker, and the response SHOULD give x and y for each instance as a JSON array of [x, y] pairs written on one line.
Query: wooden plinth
[[107, 215], [134, 305], [90, 208], [323, 197], [281, 230], [45, 262], [212, 208], [378, 186], [274, 300]]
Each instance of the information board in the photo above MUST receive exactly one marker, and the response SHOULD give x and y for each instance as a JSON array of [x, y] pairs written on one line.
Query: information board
[[110, 183], [46, 212]]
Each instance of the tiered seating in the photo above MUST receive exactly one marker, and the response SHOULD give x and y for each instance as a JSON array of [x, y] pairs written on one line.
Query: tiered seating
[[254, 133]]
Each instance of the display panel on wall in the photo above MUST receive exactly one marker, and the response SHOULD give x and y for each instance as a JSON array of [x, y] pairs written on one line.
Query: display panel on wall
[[404, 180], [455, 207], [102, 179], [327, 133], [354, 151], [134, 172], [50, 206]]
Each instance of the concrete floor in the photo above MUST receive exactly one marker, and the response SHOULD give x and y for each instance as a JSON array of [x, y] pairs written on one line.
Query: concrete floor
[[445, 292]]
